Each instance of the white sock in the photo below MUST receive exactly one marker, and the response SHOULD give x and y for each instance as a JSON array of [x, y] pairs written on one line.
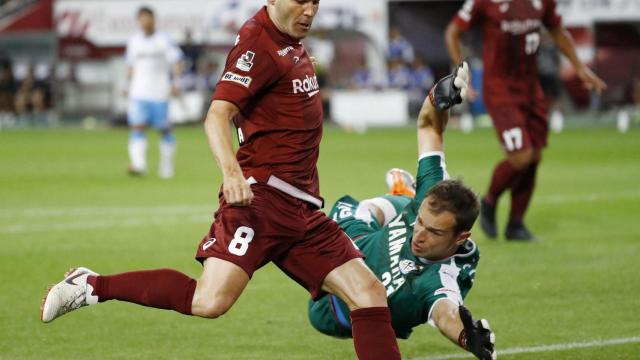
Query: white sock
[[167, 154], [138, 154]]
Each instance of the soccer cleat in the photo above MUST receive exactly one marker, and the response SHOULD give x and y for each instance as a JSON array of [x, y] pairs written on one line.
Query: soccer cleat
[[488, 219], [519, 232], [70, 294], [400, 182]]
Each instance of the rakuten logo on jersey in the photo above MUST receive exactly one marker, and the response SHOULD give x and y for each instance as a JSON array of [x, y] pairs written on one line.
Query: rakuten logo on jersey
[[309, 85]]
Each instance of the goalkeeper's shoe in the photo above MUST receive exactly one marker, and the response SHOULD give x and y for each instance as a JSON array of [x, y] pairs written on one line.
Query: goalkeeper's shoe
[[70, 294], [400, 182]]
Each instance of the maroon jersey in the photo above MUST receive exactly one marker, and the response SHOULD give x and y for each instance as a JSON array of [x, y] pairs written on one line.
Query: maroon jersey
[[270, 78], [510, 40]]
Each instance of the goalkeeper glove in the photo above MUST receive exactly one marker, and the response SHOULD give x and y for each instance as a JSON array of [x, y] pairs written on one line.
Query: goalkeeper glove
[[451, 89], [476, 337]]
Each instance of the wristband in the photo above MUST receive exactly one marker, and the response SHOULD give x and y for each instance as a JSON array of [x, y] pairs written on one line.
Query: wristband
[[462, 339]]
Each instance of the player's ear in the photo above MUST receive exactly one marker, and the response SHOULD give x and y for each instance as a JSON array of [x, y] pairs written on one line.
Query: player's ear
[[462, 237]]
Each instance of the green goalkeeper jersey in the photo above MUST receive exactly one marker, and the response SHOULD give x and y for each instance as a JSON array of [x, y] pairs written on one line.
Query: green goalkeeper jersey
[[413, 284]]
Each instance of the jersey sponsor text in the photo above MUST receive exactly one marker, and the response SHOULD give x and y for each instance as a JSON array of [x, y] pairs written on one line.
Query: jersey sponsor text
[[309, 85]]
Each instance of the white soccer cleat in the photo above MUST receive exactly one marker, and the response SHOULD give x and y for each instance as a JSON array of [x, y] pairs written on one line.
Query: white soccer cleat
[[70, 294], [400, 182]]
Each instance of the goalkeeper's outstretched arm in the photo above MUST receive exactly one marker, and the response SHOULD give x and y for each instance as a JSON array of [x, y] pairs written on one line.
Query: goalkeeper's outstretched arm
[[456, 323], [434, 114]]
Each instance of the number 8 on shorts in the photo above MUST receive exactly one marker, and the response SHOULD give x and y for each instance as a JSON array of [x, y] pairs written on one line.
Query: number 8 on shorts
[[241, 239]]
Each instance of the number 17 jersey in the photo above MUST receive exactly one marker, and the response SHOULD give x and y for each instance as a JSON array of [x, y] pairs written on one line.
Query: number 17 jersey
[[510, 41]]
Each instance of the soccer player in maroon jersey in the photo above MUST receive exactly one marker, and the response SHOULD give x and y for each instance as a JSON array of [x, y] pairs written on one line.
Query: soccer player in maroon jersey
[[269, 202], [513, 95]]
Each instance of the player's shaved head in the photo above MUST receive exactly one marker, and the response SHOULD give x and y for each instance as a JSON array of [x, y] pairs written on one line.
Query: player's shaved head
[[293, 17]]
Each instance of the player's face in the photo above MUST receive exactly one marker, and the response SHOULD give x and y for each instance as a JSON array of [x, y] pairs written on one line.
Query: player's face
[[434, 236], [294, 17], [146, 23]]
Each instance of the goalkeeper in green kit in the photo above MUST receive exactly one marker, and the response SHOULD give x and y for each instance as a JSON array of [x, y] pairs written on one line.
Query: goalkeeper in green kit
[[417, 239]]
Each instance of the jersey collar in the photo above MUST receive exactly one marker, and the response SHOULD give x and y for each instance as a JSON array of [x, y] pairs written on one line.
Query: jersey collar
[[465, 250], [264, 19]]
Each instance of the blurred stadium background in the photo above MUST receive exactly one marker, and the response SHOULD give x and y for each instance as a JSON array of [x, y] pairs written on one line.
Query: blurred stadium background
[[381, 53], [65, 199]]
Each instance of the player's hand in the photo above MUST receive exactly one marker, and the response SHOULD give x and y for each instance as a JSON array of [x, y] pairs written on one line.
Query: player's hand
[[236, 190], [590, 80], [477, 337], [451, 89]]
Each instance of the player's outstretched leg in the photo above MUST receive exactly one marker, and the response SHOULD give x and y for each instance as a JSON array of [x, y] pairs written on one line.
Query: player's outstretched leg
[[70, 294], [162, 289]]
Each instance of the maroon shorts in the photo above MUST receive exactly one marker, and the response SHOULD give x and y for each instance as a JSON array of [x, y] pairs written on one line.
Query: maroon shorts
[[300, 239], [520, 126]]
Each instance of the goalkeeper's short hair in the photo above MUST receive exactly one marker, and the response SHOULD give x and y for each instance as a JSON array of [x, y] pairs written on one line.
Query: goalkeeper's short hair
[[454, 196]]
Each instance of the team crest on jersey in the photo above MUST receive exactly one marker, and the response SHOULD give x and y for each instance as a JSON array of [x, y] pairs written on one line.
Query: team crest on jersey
[[238, 79], [407, 266], [245, 62]]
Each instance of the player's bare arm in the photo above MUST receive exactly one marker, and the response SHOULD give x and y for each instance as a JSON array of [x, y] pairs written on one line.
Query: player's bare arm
[[235, 188], [564, 42], [456, 323]]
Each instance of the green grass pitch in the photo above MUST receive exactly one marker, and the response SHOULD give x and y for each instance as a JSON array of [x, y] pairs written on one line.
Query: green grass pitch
[[65, 200]]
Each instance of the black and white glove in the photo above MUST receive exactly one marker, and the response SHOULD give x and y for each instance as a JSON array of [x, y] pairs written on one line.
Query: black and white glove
[[451, 89], [477, 337]]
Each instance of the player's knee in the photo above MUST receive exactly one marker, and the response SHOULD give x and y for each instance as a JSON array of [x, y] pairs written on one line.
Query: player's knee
[[371, 293], [216, 307], [522, 158]]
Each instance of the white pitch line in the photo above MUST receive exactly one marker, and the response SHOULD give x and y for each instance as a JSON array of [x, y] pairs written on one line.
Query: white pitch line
[[107, 210], [102, 224], [540, 348], [581, 198], [199, 208], [39, 219]]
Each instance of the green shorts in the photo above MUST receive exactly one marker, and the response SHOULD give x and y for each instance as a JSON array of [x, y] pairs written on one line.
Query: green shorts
[[322, 318]]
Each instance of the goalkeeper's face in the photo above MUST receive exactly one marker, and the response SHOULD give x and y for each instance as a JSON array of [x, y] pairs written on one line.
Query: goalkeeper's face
[[434, 234]]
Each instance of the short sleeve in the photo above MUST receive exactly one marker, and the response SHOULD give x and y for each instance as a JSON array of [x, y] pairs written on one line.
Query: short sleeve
[[248, 70], [469, 14], [172, 51], [551, 17], [431, 170], [444, 286]]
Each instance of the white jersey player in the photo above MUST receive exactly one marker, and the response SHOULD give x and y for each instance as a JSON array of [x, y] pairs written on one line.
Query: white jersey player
[[151, 57]]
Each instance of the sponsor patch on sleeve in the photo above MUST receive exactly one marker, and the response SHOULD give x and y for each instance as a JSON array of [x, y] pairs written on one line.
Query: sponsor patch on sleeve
[[238, 79], [245, 62]]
